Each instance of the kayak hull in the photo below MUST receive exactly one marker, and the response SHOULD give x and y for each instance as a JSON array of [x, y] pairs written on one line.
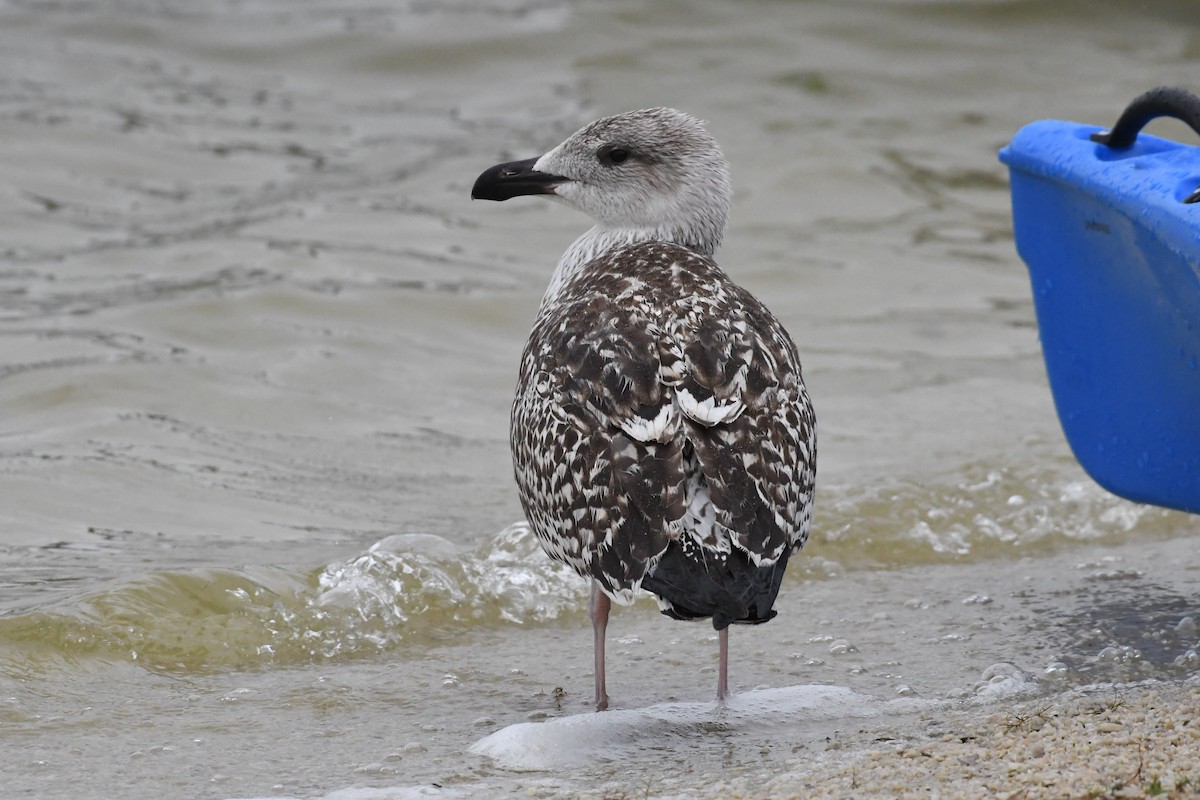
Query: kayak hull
[[1114, 262]]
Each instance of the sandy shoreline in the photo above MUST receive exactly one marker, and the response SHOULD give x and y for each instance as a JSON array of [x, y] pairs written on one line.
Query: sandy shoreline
[[1103, 741], [1134, 741]]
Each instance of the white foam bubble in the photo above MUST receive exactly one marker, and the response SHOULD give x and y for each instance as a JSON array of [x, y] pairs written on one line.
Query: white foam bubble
[[420, 575], [585, 738], [1003, 680]]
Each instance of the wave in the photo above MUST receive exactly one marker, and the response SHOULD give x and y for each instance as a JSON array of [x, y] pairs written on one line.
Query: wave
[[415, 589], [983, 511], [403, 589]]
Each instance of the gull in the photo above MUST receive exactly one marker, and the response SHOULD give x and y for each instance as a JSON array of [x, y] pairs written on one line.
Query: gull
[[662, 437]]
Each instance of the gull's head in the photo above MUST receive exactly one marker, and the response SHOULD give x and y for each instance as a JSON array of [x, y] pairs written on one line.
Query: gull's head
[[656, 173]]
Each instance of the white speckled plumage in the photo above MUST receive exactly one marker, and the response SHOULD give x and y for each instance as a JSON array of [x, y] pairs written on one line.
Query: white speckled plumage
[[662, 435]]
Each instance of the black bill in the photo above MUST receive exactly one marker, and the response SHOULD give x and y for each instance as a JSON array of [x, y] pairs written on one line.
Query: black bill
[[513, 179]]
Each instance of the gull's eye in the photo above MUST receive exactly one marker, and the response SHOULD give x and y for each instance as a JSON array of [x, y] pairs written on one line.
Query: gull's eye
[[610, 154]]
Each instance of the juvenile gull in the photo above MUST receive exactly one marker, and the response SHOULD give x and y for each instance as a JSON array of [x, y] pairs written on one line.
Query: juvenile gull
[[661, 435]]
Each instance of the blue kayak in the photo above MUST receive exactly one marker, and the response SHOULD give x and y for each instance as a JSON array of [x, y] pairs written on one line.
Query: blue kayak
[[1109, 226]]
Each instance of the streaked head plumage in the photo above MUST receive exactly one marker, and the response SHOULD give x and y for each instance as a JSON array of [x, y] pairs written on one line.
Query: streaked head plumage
[[655, 171]]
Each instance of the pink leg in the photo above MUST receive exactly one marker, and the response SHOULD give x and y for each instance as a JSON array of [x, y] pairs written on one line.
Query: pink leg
[[723, 665], [599, 608]]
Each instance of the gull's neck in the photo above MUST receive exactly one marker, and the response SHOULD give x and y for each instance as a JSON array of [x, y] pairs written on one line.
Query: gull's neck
[[598, 241]]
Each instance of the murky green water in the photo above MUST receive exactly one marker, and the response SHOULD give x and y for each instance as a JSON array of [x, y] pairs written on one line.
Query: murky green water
[[257, 350]]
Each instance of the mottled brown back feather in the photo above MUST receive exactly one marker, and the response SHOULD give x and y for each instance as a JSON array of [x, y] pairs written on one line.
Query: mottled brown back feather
[[648, 352]]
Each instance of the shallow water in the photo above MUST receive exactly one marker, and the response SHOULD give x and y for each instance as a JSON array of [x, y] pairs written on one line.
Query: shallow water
[[256, 515]]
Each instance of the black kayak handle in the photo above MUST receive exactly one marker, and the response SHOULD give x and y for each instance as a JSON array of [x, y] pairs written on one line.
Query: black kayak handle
[[1165, 101]]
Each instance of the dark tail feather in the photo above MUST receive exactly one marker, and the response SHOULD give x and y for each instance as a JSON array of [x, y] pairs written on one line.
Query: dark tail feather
[[696, 586]]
